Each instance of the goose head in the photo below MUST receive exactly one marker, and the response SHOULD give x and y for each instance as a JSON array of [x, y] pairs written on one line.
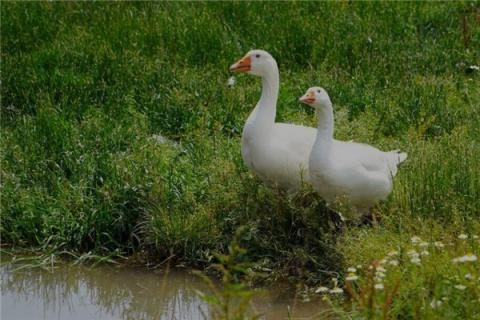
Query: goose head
[[316, 97], [256, 62]]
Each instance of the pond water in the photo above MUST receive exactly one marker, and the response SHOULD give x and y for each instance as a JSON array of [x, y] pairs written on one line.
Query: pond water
[[80, 292]]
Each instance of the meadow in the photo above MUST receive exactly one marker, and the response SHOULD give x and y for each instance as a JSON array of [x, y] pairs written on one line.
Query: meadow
[[121, 137]]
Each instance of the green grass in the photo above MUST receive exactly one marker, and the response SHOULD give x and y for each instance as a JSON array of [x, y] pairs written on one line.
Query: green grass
[[435, 287], [85, 86]]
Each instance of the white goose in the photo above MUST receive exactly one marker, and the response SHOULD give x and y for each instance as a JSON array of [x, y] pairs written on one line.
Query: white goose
[[359, 172], [277, 152]]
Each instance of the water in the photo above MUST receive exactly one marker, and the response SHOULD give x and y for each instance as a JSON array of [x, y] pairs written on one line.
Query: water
[[80, 292]]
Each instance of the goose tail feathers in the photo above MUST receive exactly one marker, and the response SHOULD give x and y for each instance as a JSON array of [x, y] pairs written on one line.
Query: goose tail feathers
[[395, 157]]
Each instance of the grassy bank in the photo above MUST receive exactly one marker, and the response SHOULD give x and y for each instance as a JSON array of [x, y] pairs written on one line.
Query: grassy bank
[[87, 88]]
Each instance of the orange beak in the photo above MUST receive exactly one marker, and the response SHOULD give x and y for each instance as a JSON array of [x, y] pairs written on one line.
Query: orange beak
[[242, 65], [308, 98]]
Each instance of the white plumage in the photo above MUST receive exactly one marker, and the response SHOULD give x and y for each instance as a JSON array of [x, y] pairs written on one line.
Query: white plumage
[[277, 152], [359, 172], [284, 155]]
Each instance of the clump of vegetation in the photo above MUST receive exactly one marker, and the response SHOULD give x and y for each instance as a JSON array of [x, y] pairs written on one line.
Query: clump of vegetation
[[430, 277], [232, 299]]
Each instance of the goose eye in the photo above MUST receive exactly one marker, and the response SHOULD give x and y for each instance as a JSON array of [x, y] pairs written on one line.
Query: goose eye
[[319, 91], [257, 55]]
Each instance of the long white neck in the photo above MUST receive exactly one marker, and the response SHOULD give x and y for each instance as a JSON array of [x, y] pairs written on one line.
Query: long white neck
[[266, 108], [324, 139]]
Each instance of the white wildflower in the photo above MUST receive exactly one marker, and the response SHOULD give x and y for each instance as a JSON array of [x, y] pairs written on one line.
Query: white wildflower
[[351, 270], [424, 253], [359, 266], [438, 244], [460, 287], [393, 262], [412, 253], [414, 256], [475, 237], [335, 282], [392, 253], [445, 298], [351, 277], [321, 290], [462, 236], [415, 239], [474, 67], [231, 81], [383, 261], [434, 304], [336, 290], [423, 244], [379, 286], [469, 276], [416, 260], [469, 257]]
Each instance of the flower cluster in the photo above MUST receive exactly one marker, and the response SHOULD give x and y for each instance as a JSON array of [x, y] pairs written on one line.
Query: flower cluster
[[469, 257], [382, 279], [335, 290]]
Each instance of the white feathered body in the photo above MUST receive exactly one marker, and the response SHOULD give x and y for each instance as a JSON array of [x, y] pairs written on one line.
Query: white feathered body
[[359, 172], [278, 154]]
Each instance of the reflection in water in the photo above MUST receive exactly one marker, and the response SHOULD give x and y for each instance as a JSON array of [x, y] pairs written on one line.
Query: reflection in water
[[79, 292]]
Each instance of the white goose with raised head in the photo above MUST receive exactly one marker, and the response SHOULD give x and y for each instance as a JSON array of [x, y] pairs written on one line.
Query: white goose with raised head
[[277, 152], [359, 172]]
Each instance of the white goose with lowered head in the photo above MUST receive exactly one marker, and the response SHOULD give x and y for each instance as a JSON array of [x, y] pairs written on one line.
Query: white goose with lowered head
[[277, 152], [359, 172]]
